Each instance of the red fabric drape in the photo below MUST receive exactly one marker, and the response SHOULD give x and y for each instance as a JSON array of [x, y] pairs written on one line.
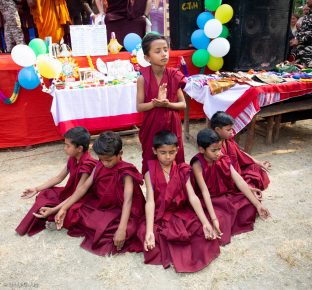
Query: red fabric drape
[[28, 121]]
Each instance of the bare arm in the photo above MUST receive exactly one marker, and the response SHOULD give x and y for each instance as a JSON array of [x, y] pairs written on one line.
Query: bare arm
[[197, 169], [195, 203], [265, 165], [126, 207], [87, 7], [148, 7], [77, 195], [100, 6], [244, 188], [54, 181], [44, 211], [83, 179], [162, 101], [79, 192], [150, 204], [141, 106], [149, 242], [29, 192], [120, 235], [253, 159]]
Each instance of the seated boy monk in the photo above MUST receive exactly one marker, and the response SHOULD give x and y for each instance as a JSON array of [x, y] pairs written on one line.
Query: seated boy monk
[[79, 166], [107, 216], [253, 171], [230, 194], [176, 230]]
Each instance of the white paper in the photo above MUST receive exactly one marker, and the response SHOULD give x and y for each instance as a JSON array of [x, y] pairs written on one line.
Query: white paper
[[88, 40]]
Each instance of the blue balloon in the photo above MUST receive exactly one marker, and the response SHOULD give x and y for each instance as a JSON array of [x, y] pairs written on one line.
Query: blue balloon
[[131, 41], [202, 18], [199, 39], [138, 46], [28, 79]]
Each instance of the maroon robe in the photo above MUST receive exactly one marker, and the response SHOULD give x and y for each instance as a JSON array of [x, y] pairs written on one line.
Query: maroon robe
[[252, 173], [178, 232], [238, 212], [159, 119], [52, 197], [97, 216]]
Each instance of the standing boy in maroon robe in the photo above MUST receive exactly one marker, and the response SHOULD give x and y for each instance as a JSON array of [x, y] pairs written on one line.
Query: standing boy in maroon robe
[[50, 198], [253, 171], [176, 230], [230, 194], [107, 216], [159, 96]]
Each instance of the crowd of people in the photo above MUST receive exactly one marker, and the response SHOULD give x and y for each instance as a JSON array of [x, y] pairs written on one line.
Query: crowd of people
[[22, 20], [190, 210], [301, 41]]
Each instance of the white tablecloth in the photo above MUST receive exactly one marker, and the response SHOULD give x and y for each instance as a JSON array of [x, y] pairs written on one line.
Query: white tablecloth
[[72, 107], [71, 104], [218, 102]]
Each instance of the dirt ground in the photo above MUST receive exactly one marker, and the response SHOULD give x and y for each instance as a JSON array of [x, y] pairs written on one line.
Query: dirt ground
[[276, 255]]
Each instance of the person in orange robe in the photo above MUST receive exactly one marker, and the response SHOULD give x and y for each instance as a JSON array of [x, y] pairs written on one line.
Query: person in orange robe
[[50, 17]]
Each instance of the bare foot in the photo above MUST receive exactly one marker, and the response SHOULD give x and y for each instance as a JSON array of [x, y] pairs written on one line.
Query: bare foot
[[51, 226]]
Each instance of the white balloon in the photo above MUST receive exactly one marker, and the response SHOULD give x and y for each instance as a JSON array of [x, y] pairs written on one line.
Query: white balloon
[[213, 28], [140, 58], [23, 55], [219, 47]]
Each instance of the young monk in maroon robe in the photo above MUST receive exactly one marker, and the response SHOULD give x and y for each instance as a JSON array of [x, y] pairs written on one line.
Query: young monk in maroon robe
[[50, 198], [108, 214], [159, 96], [253, 171], [176, 230], [230, 194]]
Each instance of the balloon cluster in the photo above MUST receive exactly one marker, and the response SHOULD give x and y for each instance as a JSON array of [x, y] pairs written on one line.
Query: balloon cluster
[[36, 63], [210, 39]]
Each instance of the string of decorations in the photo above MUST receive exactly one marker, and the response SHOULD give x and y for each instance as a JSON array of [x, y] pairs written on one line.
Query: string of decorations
[[13, 98]]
